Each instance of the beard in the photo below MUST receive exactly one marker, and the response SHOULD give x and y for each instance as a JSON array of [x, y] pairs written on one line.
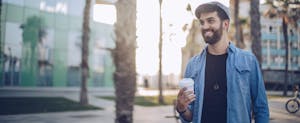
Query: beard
[[215, 37]]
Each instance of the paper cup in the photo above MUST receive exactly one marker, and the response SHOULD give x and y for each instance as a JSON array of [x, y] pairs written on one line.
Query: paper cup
[[188, 83]]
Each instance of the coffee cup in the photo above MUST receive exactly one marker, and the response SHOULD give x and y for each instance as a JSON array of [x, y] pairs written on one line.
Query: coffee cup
[[188, 83]]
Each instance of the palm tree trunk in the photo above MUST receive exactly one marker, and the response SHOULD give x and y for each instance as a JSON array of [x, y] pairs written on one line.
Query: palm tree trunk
[[160, 98], [285, 36], [85, 53], [124, 60], [255, 30], [237, 25]]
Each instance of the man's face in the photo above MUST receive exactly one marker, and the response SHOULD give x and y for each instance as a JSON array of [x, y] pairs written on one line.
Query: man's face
[[211, 27]]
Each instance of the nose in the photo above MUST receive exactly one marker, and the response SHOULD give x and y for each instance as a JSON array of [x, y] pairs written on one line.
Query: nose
[[204, 26]]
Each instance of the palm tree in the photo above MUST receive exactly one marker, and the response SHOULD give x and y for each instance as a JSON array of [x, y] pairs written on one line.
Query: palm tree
[[85, 53], [285, 20], [160, 97], [238, 27], [124, 60], [255, 29], [285, 37]]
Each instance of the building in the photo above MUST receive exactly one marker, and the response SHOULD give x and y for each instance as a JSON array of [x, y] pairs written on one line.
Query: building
[[273, 45], [41, 45]]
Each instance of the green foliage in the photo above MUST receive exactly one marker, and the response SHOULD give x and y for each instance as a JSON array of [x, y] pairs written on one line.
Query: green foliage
[[25, 105], [243, 21], [33, 29]]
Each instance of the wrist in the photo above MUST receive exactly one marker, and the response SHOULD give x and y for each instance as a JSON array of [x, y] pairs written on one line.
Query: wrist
[[181, 111]]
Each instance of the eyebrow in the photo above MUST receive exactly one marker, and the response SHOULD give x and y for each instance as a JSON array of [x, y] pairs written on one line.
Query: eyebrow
[[209, 18]]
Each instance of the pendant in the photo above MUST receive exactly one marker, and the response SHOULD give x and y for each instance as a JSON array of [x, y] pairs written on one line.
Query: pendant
[[216, 86]]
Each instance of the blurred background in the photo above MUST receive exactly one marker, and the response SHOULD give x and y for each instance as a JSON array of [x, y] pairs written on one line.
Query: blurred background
[[41, 43]]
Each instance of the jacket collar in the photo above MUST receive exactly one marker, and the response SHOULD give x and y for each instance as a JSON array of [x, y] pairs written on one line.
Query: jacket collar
[[231, 49]]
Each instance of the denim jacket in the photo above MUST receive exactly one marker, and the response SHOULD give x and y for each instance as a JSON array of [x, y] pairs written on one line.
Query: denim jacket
[[246, 96]]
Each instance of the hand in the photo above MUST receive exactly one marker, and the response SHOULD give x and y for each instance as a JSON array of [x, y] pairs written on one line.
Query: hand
[[184, 98]]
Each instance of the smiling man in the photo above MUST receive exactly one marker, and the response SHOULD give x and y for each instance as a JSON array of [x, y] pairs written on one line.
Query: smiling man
[[228, 84]]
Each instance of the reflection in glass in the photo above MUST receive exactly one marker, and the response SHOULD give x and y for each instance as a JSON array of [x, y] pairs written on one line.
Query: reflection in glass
[[37, 54], [12, 54]]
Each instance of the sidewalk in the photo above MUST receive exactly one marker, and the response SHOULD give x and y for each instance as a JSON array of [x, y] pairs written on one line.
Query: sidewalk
[[100, 91], [141, 114], [278, 114]]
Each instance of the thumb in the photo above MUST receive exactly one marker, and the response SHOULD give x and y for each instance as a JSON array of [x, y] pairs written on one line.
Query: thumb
[[181, 91]]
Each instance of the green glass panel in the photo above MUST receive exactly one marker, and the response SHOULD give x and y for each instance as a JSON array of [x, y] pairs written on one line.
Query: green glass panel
[[61, 22], [76, 23], [91, 73], [29, 65], [30, 13], [60, 68], [61, 40], [91, 80], [32, 4], [3, 11], [1, 75], [2, 32], [60, 58], [49, 19], [108, 71], [14, 13], [1, 54]]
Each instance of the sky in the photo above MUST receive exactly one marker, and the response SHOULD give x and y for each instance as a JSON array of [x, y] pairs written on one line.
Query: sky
[[175, 17]]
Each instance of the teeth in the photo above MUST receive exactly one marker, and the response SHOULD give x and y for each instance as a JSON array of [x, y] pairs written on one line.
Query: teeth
[[208, 33]]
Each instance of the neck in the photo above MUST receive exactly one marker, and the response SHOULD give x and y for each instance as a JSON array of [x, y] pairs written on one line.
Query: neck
[[220, 47]]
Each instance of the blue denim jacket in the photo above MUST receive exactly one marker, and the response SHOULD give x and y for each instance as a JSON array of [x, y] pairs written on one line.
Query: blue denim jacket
[[245, 87]]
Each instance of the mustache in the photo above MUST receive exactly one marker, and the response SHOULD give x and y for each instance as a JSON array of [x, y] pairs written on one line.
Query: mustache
[[206, 30]]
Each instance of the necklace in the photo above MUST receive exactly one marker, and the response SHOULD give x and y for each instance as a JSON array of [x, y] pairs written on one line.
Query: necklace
[[216, 85], [216, 67]]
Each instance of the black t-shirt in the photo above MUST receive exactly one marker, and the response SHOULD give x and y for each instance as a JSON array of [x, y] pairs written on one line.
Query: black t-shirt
[[215, 90]]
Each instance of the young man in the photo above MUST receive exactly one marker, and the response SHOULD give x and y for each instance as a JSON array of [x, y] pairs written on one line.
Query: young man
[[228, 84]]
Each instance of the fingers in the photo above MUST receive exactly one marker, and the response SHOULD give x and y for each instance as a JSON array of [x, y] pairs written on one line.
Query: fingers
[[191, 98], [185, 97], [187, 92], [181, 91]]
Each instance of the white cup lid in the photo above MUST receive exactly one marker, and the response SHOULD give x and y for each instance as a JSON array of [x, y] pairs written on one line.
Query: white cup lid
[[186, 82]]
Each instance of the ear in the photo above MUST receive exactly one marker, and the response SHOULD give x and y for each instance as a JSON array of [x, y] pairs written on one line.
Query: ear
[[226, 24]]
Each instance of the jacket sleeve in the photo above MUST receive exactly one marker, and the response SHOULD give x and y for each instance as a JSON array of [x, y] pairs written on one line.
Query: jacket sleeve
[[258, 95], [187, 74]]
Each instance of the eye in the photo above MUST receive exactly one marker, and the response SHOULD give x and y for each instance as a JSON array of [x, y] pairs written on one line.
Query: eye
[[211, 21], [201, 22]]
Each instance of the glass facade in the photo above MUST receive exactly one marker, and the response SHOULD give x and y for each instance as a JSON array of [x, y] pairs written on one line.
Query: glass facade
[[41, 45], [273, 51], [273, 45]]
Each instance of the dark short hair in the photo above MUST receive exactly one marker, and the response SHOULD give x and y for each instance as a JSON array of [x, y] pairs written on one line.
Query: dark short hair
[[207, 8]]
